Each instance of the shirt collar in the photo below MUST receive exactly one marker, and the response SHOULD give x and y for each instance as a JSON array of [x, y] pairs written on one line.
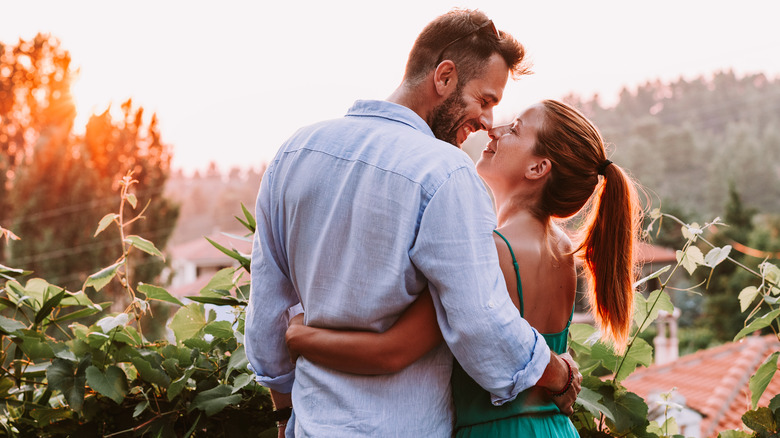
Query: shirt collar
[[391, 111]]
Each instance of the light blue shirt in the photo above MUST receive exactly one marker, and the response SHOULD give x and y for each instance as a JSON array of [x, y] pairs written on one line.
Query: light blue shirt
[[354, 217]]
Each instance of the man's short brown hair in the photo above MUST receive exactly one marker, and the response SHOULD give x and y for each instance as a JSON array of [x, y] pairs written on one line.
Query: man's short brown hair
[[466, 38]]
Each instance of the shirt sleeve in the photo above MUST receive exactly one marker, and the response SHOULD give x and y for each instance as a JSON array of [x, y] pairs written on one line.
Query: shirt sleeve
[[272, 294], [456, 252]]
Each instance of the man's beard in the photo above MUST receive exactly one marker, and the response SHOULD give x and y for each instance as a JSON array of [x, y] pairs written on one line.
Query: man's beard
[[445, 118]]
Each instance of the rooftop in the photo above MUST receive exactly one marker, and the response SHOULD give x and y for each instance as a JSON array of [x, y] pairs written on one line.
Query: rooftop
[[201, 250], [714, 382]]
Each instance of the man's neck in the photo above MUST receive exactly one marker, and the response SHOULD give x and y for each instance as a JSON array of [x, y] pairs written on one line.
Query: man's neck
[[418, 99]]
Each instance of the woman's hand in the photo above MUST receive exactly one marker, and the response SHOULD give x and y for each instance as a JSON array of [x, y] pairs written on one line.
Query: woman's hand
[[565, 400], [294, 330]]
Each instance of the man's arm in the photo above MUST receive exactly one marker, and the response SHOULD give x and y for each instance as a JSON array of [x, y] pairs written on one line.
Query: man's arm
[[414, 334], [271, 295], [456, 252], [281, 402]]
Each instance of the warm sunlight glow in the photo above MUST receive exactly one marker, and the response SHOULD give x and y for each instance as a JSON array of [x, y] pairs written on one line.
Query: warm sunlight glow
[[90, 98], [316, 62]]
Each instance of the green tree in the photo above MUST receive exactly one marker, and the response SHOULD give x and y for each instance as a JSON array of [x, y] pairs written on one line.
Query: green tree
[[59, 184], [686, 139], [35, 106], [112, 148], [722, 313]]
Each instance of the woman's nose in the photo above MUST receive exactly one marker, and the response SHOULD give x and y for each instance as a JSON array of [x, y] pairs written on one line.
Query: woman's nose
[[496, 132]]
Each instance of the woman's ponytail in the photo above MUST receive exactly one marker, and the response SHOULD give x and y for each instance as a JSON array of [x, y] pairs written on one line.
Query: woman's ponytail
[[607, 238], [607, 250]]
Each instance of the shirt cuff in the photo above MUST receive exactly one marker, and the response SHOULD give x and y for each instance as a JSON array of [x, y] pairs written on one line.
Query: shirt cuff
[[283, 383], [294, 311], [528, 376]]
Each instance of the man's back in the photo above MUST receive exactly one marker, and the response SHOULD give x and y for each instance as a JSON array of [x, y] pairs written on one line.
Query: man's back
[[345, 204], [348, 198], [354, 217]]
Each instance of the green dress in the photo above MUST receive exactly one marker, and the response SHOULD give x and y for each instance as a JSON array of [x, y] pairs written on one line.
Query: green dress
[[477, 417]]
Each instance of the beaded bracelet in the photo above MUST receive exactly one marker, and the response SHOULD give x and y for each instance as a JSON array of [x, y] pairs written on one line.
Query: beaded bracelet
[[568, 383]]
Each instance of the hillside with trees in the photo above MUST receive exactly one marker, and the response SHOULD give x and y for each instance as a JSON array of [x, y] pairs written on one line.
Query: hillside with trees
[[688, 141]]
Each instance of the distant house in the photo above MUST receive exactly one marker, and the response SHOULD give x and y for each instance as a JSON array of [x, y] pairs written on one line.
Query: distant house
[[193, 263], [712, 383], [654, 255]]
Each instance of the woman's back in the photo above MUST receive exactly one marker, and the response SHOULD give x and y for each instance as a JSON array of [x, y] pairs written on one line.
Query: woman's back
[[545, 259], [546, 268]]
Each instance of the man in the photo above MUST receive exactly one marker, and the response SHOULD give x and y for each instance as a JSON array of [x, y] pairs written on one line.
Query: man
[[356, 215]]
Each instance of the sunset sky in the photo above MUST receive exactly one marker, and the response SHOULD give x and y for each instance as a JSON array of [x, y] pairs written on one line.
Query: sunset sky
[[230, 81]]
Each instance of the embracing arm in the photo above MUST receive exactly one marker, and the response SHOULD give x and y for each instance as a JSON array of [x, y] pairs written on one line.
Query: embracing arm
[[415, 333]]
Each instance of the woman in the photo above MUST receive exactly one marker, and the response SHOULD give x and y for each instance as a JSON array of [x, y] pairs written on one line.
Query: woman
[[544, 167]]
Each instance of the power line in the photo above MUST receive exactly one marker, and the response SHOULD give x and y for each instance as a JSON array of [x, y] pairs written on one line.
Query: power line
[[81, 276], [21, 262], [84, 206]]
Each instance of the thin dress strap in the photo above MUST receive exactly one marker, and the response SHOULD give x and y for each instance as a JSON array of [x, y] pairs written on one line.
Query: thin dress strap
[[517, 273], [571, 315]]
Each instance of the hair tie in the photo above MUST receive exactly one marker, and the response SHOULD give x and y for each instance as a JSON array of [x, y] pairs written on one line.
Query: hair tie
[[602, 169]]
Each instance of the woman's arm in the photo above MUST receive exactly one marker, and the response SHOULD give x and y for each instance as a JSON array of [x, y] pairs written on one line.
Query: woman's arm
[[415, 333]]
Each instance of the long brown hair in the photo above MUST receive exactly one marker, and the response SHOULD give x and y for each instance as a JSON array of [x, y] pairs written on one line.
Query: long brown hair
[[576, 150]]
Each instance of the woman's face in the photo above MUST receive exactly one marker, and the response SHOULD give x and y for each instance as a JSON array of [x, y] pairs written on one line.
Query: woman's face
[[510, 152]]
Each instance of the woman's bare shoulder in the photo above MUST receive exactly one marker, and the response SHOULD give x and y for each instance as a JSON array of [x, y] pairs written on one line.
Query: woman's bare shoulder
[[503, 249], [561, 239]]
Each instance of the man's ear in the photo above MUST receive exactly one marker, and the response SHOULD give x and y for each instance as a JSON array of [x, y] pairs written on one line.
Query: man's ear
[[539, 168], [445, 77]]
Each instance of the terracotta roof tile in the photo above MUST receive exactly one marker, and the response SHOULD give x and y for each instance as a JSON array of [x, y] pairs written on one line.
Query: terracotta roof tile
[[714, 382], [190, 289], [647, 253]]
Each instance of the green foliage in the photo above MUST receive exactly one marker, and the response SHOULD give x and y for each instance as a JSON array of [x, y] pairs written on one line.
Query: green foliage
[[765, 421], [760, 380], [111, 384], [646, 310], [47, 167], [106, 378], [188, 321], [733, 434], [723, 285], [157, 293], [605, 408]]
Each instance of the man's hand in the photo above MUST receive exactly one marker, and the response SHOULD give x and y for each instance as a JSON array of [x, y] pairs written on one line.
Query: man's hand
[[281, 401], [565, 401]]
